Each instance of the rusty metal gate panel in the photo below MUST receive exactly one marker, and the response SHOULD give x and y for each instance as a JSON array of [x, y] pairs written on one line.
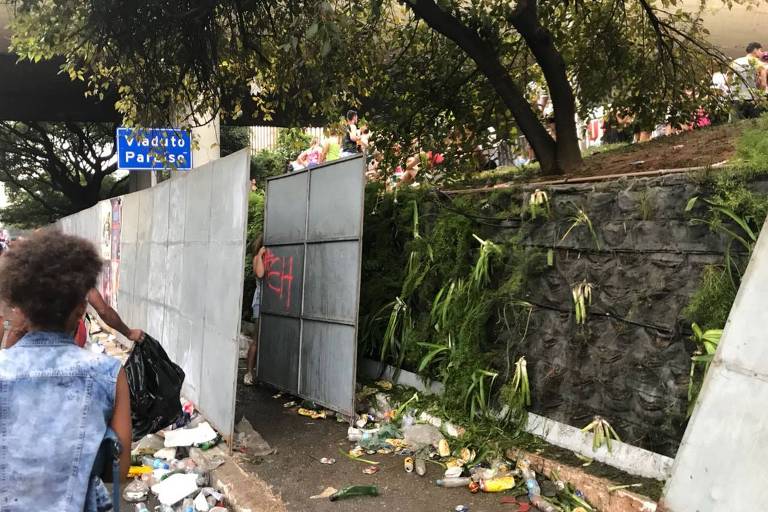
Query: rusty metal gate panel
[[313, 230]]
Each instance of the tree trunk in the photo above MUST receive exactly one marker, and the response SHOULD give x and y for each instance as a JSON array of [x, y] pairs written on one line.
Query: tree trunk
[[544, 146], [538, 39], [555, 155]]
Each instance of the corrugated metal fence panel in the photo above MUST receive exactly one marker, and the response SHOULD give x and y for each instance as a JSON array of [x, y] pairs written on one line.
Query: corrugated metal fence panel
[[308, 342], [182, 246]]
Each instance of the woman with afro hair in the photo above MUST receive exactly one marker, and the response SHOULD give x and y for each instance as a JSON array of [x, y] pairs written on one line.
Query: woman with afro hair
[[59, 402]]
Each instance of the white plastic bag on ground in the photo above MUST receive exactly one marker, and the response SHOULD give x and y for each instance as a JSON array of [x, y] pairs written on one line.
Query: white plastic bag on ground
[[249, 441], [421, 435]]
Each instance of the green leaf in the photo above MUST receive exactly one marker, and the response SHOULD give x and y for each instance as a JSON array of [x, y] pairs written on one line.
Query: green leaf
[[691, 203]]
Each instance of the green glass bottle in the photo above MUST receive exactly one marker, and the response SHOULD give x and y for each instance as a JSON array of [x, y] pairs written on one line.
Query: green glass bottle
[[355, 490]]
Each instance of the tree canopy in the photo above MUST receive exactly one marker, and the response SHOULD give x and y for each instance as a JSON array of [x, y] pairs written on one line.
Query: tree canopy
[[54, 170], [449, 69]]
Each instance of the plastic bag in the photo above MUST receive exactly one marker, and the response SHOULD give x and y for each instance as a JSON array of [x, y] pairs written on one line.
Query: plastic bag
[[155, 384]]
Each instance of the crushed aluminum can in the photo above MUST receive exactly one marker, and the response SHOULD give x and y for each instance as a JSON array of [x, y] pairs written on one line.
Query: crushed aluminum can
[[443, 448], [371, 470], [327, 460], [461, 508], [408, 464], [454, 472], [474, 487]]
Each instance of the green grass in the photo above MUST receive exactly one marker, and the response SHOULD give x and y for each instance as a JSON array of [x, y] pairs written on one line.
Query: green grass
[[752, 145]]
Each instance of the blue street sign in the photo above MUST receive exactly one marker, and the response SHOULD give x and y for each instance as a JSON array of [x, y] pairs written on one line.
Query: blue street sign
[[154, 149]]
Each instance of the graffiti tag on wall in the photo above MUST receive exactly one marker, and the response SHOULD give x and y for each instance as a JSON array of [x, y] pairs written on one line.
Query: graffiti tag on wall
[[278, 275]]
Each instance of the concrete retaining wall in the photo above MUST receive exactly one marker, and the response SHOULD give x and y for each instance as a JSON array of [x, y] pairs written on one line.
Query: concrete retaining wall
[[721, 461]]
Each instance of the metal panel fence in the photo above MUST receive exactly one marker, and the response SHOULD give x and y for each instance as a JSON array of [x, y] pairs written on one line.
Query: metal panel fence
[[313, 232], [182, 246]]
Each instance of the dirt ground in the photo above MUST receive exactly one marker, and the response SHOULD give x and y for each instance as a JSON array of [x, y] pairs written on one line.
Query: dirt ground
[[703, 147], [295, 473], [699, 148]]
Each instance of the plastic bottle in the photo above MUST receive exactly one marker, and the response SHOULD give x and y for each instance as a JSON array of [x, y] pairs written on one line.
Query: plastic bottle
[[420, 466], [134, 491], [356, 434], [154, 463], [454, 482], [188, 505], [178, 465], [355, 490], [530, 478], [542, 504], [533, 487]]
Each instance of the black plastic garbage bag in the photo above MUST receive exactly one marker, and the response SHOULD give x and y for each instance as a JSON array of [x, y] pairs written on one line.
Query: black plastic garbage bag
[[155, 384]]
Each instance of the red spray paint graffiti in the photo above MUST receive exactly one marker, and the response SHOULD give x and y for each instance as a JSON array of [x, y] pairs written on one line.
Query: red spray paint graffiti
[[279, 276]]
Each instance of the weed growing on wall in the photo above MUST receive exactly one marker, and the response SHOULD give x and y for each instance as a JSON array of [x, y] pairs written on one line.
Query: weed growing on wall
[[458, 292], [731, 208]]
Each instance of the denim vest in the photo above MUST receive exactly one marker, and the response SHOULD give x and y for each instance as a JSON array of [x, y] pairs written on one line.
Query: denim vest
[[56, 403]]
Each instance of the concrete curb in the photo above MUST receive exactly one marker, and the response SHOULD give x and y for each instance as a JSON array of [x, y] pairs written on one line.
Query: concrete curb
[[628, 458], [595, 489], [244, 490]]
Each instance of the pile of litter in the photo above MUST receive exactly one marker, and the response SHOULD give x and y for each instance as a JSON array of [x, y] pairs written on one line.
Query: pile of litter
[[173, 467], [383, 428]]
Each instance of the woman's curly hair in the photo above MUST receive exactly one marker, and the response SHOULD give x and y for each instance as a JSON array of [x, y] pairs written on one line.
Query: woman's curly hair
[[48, 275]]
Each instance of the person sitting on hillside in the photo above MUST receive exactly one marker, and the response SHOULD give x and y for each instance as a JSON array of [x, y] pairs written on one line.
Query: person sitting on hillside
[[373, 172], [749, 79], [59, 402], [364, 141], [313, 156], [349, 144], [331, 148]]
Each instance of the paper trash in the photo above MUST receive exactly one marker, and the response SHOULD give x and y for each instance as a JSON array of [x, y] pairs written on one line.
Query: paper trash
[[175, 488]]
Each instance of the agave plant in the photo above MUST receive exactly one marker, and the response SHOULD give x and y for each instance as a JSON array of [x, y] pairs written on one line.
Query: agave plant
[[520, 385], [538, 202], [477, 397], [707, 342], [400, 326], [582, 299], [580, 218], [740, 232], [603, 433], [480, 273]]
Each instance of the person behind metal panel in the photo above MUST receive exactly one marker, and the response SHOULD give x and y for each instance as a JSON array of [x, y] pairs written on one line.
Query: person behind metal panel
[[58, 400], [258, 273]]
